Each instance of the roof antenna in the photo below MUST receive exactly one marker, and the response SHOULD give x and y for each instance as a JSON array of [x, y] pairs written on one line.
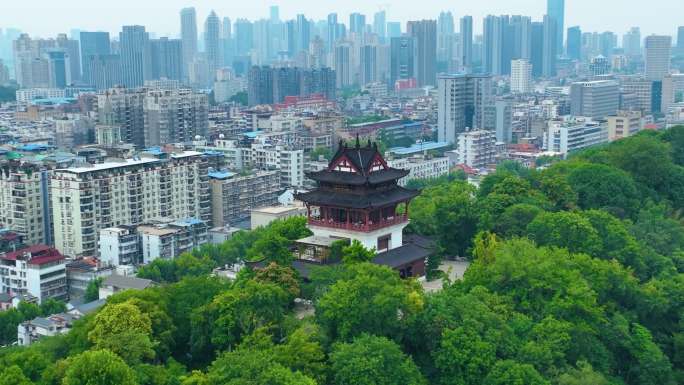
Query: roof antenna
[[358, 142]]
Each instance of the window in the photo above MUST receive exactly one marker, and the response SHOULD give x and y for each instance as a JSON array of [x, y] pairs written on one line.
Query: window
[[384, 242]]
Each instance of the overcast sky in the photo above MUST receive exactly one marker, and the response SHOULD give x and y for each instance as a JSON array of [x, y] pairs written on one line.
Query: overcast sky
[[45, 18]]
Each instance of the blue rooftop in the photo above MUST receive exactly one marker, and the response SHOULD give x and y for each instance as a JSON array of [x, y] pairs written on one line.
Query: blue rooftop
[[188, 222], [154, 150], [53, 101], [221, 174], [418, 148], [33, 147], [252, 134]]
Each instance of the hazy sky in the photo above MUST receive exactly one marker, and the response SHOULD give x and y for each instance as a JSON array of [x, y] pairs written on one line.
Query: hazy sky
[[47, 17]]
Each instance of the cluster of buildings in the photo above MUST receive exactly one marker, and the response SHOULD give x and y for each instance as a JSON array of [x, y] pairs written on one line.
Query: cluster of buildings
[[120, 150]]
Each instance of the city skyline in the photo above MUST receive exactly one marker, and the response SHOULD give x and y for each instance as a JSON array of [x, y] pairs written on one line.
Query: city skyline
[[37, 17]]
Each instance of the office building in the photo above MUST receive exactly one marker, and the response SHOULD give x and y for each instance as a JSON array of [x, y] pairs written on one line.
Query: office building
[[93, 44], [555, 9], [58, 69], [595, 99], [174, 116], [521, 76], [234, 196], [680, 40], [537, 49], [24, 203], [673, 91], [420, 167], [135, 55], [446, 42], [476, 149], [402, 59], [425, 34], [574, 43], [657, 51], [492, 44], [461, 102], [37, 270], [624, 124], [599, 66], [574, 133], [212, 28], [188, 35], [646, 93], [87, 199]]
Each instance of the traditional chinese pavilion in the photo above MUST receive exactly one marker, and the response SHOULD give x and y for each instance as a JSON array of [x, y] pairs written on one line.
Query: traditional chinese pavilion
[[358, 198]]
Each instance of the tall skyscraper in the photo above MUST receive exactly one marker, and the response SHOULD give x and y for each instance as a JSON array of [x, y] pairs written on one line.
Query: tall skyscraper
[[657, 50], [343, 64], [105, 70], [537, 49], [680, 40], [445, 41], [71, 48], [135, 55], [93, 43], [188, 36], [302, 34], [556, 10], [166, 59], [466, 46], [425, 34], [574, 44], [274, 12], [357, 23], [58, 69], [333, 29], [493, 40], [549, 47], [212, 34], [462, 100], [380, 25], [393, 29], [402, 59], [369, 64], [244, 36], [631, 42], [607, 43]]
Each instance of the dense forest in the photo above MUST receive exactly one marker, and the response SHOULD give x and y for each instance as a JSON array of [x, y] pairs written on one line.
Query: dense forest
[[576, 278]]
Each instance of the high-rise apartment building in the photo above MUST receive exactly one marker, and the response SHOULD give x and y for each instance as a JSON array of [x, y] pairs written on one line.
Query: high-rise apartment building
[[175, 116], [163, 185], [126, 108], [58, 69], [357, 23], [369, 64], [103, 71], [212, 28], [555, 9], [135, 55], [234, 196], [37, 270], [521, 76], [476, 149], [461, 102], [425, 34], [343, 64], [595, 99], [446, 42], [380, 25], [658, 50], [680, 40], [24, 204], [188, 35], [466, 43]]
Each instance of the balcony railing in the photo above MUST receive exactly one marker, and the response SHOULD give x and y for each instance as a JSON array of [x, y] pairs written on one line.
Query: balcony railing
[[356, 226]]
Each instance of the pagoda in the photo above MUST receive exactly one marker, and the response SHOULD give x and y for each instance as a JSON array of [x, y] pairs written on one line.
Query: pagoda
[[358, 198]]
